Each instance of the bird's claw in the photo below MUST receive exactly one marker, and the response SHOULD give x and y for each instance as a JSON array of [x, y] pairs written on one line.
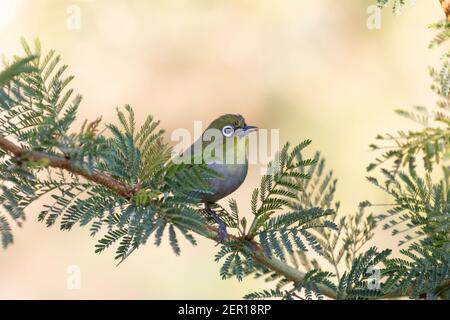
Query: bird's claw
[[222, 230]]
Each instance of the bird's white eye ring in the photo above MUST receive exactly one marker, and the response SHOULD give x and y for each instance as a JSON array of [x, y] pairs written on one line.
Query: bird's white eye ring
[[227, 131]]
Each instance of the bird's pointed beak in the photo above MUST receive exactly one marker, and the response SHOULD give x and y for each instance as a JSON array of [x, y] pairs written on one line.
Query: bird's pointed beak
[[245, 131], [248, 129]]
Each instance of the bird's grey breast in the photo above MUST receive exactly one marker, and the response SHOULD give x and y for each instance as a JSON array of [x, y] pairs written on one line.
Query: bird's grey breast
[[233, 175]]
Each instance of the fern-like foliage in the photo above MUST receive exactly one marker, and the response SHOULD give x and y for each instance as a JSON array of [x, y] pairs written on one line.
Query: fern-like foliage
[[420, 193], [361, 281], [396, 5], [420, 215], [421, 209], [352, 231], [442, 29], [307, 290], [299, 225], [38, 110], [282, 226], [421, 275], [430, 143], [295, 222]]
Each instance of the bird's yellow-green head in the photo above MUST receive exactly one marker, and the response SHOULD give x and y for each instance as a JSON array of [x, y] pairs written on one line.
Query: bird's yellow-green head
[[223, 141], [227, 136], [231, 126]]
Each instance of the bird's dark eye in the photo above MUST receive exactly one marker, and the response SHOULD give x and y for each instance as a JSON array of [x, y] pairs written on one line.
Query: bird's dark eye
[[227, 131]]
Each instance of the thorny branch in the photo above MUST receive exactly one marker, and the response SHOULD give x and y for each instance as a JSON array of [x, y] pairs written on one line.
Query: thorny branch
[[101, 178]]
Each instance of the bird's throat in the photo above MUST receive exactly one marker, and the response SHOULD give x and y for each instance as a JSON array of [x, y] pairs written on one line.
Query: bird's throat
[[231, 151]]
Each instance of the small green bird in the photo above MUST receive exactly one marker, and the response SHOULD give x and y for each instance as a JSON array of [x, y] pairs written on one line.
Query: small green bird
[[223, 147]]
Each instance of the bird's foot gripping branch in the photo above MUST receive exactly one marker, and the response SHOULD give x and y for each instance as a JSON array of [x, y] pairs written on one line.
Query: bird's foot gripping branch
[[121, 184]]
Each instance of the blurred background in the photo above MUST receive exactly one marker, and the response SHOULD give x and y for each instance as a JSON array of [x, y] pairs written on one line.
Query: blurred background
[[312, 69]]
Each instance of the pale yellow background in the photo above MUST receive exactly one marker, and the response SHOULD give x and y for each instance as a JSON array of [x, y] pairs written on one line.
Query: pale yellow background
[[310, 68]]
